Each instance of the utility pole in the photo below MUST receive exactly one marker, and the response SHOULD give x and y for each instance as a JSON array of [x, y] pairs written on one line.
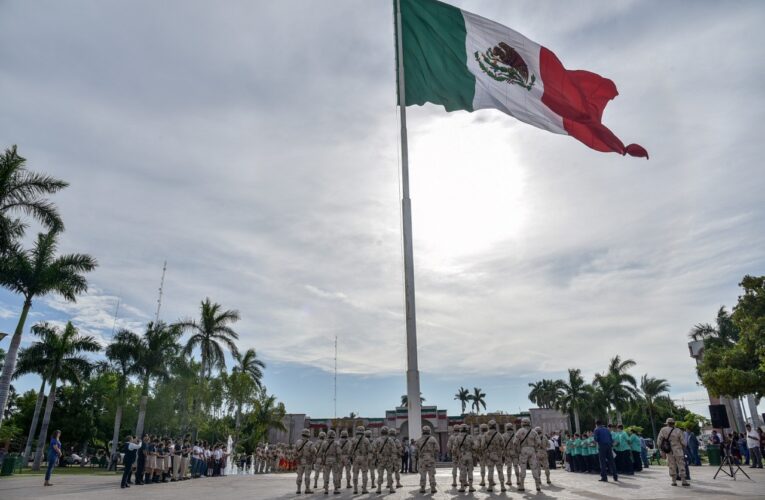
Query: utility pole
[[335, 397], [161, 287]]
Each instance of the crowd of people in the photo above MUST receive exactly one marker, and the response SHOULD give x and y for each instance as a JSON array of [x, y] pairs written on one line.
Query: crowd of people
[[154, 459], [745, 448]]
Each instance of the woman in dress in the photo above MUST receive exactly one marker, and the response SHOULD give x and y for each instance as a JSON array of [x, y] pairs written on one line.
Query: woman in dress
[[54, 452]]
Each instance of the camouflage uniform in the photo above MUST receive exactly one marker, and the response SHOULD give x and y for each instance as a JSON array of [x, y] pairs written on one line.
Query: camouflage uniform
[[305, 454], [452, 452], [542, 454], [676, 458], [479, 457], [386, 453], [465, 448], [371, 461], [345, 458], [360, 450], [511, 455], [427, 449], [330, 460], [493, 446], [526, 442], [317, 460], [398, 456]]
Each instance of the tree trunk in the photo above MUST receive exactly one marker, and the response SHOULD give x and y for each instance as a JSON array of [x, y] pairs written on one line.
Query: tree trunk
[[141, 415], [116, 433], [576, 420], [653, 424], [10, 358], [756, 420], [33, 427], [43, 437], [618, 417], [237, 424]]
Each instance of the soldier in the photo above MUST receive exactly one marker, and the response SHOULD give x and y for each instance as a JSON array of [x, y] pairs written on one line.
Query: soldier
[[331, 462], [397, 457], [427, 449], [345, 458], [511, 455], [479, 456], [526, 442], [670, 442], [465, 448], [385, 452], [318, 461], [360, 448], [372, 461], [451, 449], [542, 454], [493, 446], [305, 454]]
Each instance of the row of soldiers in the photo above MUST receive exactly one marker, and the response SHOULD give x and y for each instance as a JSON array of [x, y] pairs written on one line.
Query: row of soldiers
[[361, 455], [492, 450], [274, 458]]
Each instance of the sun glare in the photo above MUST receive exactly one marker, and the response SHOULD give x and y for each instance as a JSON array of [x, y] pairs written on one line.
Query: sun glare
[[467, 188]]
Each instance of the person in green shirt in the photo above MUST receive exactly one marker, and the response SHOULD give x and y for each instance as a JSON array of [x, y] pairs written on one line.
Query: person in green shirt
[[623, 453], [576, 452], [634, 442], [592, 453], [569, 452]]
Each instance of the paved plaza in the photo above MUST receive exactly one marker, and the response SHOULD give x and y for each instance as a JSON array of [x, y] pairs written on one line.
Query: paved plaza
[[649, 485]]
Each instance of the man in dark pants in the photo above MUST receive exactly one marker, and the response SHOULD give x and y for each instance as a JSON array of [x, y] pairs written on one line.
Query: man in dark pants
[[605, 452], [130, 448], [141, 461]]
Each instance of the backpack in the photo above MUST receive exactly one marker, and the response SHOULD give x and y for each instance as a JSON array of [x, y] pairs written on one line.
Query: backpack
[[665, 445]]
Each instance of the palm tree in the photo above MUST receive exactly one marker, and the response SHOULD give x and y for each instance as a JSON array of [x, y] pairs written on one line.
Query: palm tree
[[32, 361], [35, 273], [249, 364], [266, 415], [463, 396], [574, 394], [478, 399], [210, 332], [22, 191], [61, 351], [405, 400], [723, 333], [546, 392], [122, 354], [618, 386], [650, 389], [157, 345]]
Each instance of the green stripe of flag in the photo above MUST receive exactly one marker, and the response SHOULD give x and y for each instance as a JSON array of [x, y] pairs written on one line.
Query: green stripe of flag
[[435, 59]]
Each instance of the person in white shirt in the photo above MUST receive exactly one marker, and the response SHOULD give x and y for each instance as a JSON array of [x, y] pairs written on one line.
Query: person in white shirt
[[753, 443]]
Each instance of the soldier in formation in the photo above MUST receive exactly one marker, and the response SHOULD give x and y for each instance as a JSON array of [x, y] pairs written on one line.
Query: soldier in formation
[[345, 458], [511, 455], [526, 442], [371, 459], [452, 452], [542, 454], [670, 443], [386, 455], [427, 449], [478, 454], [360, 451], [492, 450], [398, 456], [464, 449], [305, 456]]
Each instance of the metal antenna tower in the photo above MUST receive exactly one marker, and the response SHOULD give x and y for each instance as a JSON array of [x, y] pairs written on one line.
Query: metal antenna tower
[[161, 287], [335, 398], [116, 311]]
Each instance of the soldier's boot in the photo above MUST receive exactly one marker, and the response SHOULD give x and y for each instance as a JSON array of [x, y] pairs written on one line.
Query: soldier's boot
[[433, 488], [674, 482], [539, 484], [308, 489], [422, 488], [547, 474], [298, 489], [685, 483]]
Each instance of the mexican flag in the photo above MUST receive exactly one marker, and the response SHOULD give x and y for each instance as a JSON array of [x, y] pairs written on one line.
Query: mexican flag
[[463, 61]]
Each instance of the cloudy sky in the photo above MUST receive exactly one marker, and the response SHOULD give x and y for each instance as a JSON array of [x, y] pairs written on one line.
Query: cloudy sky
[[253, 145]]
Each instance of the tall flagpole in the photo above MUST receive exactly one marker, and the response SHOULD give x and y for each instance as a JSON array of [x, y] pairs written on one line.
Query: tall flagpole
[[412, 371]]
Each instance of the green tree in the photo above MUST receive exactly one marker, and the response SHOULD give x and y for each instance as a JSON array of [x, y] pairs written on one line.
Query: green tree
[[23, 192], [574, 396], [650, 389], [478, 399], [62, 351], [546, 393], [212, 330], [246, 377], [618, 386], [405, 400], [122, 353], [463, 396], [158, 345], [267, 414], [35, 273], [33, 361]]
